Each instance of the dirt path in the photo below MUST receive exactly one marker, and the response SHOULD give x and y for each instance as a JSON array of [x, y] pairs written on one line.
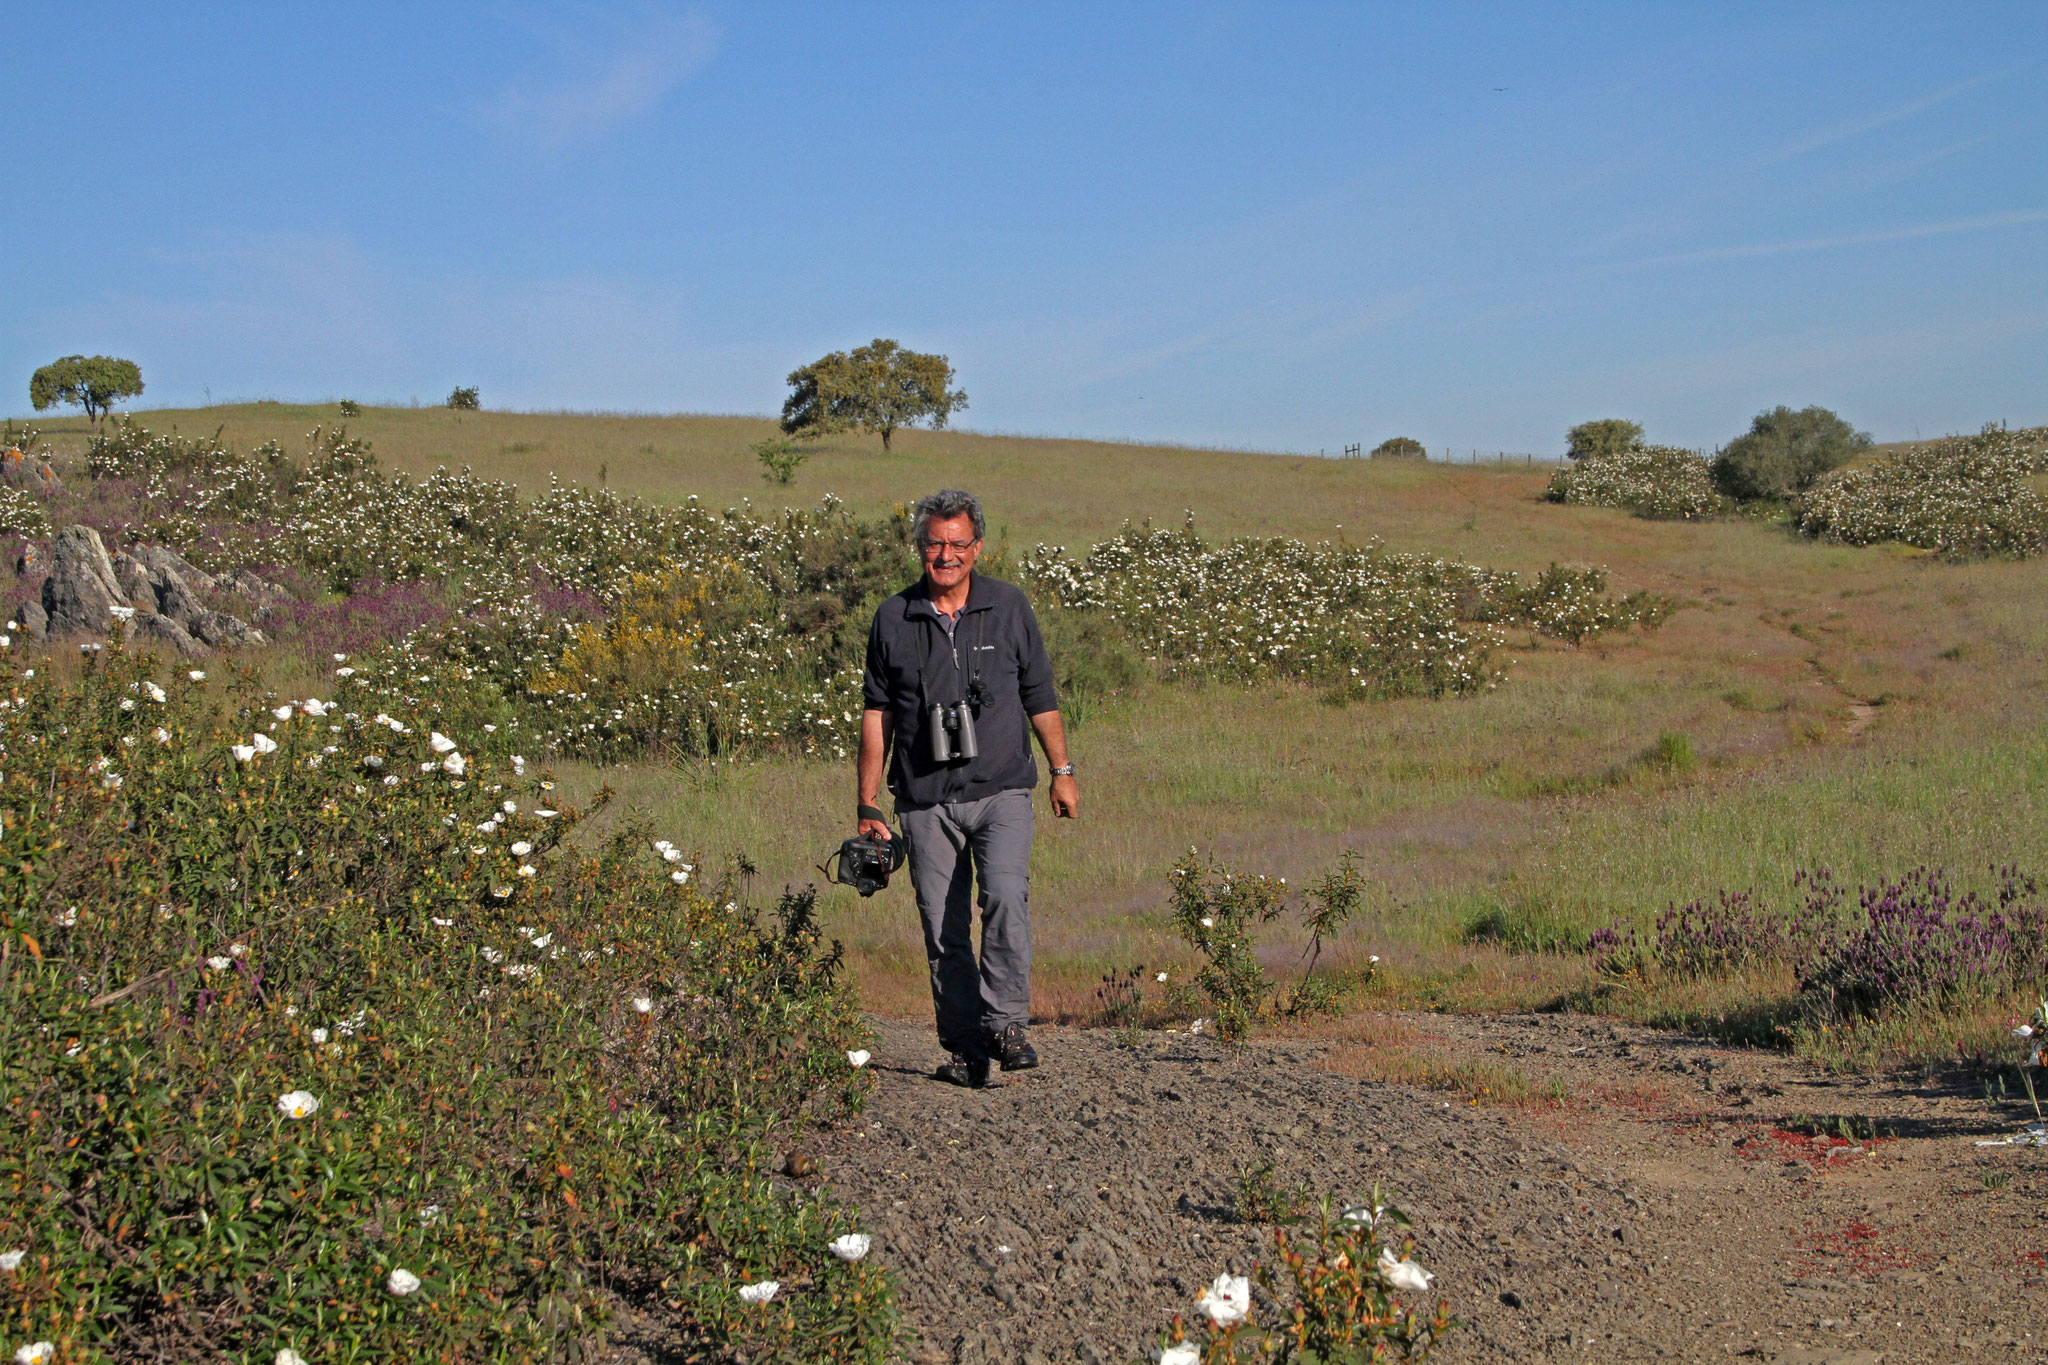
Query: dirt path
[[1672, 1205]]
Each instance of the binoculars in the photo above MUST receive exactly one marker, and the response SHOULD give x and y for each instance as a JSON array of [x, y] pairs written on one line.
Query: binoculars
[[952, 733]]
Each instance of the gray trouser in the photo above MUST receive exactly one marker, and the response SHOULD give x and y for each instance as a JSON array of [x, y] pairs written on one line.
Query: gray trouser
[[970, 999]]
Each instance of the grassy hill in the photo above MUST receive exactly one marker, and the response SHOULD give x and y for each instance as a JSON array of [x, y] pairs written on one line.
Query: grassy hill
[[1810, 704]]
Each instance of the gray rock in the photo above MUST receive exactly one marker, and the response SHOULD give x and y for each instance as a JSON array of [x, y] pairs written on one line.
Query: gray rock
[[223, 631], [81, 591], [162, 557], [25, 470], [174, 597], [35, 622], [158, 629], [134, 577]]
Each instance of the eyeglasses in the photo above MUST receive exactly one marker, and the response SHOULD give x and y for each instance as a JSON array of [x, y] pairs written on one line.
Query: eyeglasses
[[958, 547]]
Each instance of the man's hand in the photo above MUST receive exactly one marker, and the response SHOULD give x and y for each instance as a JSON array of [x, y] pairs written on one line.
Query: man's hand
[[1066, 797], [873, 829]]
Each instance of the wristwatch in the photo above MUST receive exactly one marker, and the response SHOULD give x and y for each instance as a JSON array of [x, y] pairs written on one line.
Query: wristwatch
[[1064, 770]]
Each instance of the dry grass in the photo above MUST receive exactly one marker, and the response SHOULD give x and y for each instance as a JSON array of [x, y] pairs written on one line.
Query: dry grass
[[1537, 801]]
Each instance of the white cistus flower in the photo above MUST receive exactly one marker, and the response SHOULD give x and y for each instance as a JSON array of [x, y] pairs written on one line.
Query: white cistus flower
[[10, 1261], [1402, 1273], [440, 743], [243, 753], [288, 1356], [759, 1293], [1186, 1353], [313, 706], [402, 1282], [642, 1004], [35, 1353], [263, 744], [297, 1104], [850, 1246], [859, 1057], [282, 712], [1161, 978], [319, 1035], [1228, 1300], [521, 849], [152, 691], [455, 765], [220, 963]]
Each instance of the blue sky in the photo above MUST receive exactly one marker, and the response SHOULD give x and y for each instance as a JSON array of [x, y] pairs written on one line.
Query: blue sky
[[1276, 225]]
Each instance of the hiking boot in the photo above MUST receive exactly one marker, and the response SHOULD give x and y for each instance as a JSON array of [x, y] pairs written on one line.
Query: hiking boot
[[968, 1069], [1013, 1049]]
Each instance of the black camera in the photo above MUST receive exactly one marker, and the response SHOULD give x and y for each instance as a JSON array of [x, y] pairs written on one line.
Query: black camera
[[864, 863]]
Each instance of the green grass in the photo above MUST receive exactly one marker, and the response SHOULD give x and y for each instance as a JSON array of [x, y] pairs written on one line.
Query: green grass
[[1595, 785]]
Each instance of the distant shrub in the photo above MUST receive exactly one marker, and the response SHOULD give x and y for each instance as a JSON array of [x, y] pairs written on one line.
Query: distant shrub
[[1961, 497], [780, 459], [1662, 483], [351, 408], [1784, 451], [1604, 436], [464, 400], [1400, 448]]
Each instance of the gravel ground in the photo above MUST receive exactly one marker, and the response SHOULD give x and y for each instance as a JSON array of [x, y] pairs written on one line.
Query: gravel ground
[[1671, 1205]]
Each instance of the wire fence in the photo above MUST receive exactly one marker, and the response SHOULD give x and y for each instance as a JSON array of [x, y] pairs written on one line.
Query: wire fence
[[1503, 459]]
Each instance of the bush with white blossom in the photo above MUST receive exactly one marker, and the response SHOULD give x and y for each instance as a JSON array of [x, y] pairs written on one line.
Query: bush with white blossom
[[297, 1060]]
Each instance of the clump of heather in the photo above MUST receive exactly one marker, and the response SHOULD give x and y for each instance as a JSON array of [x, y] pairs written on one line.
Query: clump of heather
[[1915, 941], [1734, 931]]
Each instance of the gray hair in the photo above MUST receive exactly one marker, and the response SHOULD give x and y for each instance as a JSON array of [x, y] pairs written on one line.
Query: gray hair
[[945, 504]]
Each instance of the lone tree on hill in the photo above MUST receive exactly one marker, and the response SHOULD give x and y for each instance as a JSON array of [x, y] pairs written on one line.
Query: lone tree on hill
[[876, 387], [1784, 451], [1605, 436], [1399, 448], [94, 382]]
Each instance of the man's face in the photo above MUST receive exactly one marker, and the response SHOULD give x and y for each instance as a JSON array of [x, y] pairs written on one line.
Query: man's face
[[949, 551]]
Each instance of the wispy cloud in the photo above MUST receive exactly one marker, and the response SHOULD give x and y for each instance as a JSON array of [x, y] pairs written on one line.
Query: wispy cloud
[[589, 87], [2017, 218], [1842, 132]]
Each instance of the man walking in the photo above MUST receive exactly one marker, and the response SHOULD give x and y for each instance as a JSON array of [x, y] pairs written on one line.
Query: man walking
[[955, 668]]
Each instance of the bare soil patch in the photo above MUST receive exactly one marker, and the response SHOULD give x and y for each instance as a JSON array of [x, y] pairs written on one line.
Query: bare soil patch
[[1681, 1201]]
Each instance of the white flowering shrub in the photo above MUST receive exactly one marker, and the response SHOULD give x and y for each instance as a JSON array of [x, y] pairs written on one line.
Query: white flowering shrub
[[318, 1035], [22, 514], [1360, 618], [1663, 483], [1339, 1296], [1963, 497]]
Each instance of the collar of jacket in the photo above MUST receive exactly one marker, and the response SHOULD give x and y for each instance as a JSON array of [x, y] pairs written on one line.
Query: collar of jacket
[[920, 603]]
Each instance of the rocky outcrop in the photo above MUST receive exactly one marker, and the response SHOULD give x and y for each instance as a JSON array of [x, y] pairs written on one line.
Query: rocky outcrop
[[134, 577], [162, 630], [154, 590], [35, 622], [161, 558], [81, 592], [20, 469]]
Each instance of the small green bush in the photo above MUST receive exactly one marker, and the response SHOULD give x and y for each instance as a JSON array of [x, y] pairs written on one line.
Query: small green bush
[[780, 459], [351, 408], [1400, 448], [1604, 436], [1662, 483], [464, 400], [1784, 451], [1964, 497]]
